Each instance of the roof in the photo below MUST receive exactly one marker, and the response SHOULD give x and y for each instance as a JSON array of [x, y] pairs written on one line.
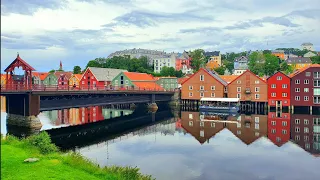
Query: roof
[[22, 61], [41, 75], [277, 73], [78, 76], [228, 78], [213, 53], [307, 44], [211, 73], [303, 69], [250, 73], [134, 76], [277, 51], [105, 74], [59, 73], [147, 85], [221, 99], [181, 80], [245, 58], [299, 60]]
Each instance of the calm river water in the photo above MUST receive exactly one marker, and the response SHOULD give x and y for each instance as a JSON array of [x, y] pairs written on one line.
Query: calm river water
[[173, 145]]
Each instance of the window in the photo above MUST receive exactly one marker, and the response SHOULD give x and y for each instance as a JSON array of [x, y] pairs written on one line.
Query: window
[[202, 133], [212, 95], [279, 78], [316, 74], [238, 89], [257, 89], [238, 125], [284, 131], [190, 116], [84, 77], [306, 130], [273, 86], [116, 82], [238, 95], [127, 82], [307, 146], [297, 121], [316, 121], [306, 90], [306, 138], [201, 123], [297, 129], [256, 126], [297, 90], [297, 138], [316, 100], [213, 88], [257, 82], [316, 91], [308, 74], [297, 81], [285, 101], [284, 94], [284, 123], [190, 94], [201, 88], [273, 131], [316, 83], [201, 77], [257, 96], [297, 98], [273, 94], [213, 124], [273, 123], [82, 82], [238, 132], [306, 98], [306, 81], [306, 121], [256, 119], [190, 87], [238, 82], [278, 139], [201, 94], [284, 86]]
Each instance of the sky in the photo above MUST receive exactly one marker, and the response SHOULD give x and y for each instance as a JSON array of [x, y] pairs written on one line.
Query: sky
[[45, 32]]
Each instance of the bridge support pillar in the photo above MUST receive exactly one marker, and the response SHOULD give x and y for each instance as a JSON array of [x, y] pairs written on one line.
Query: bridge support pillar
[[22, 110]]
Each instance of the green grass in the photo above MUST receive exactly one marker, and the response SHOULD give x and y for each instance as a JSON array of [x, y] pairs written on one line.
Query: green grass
[[54, 164]]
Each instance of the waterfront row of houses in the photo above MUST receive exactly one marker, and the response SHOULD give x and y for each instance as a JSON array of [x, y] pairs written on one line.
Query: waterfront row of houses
[[301, 88]]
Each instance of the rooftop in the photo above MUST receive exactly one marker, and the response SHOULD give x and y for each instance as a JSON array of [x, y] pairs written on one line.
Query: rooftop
[[299, 60], [303, 69], [105, 74], [134, 76]]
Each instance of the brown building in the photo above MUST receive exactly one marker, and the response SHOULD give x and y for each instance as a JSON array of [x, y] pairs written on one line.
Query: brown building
[[203, 83], [248, 87], [201, 130], [249, 127]]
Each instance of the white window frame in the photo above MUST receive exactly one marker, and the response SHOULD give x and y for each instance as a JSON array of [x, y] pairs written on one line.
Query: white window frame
[[190, 94], [213, 88], [273, 123], [213, 95], [191, 123], [201, 88], [297, 98], [239, 95], [306, 81], [297, 81], [297, 89], [190, 87], [201, 94], [306, 121], [305, 89], [238, 89], [257, 89], [273, 94], [284, 94], [284, 86], [273, 86], [297, 121], [201, 77], [257, 96], [284, 123], [257, 82], [201, 124], [306, 98], [279, 78]]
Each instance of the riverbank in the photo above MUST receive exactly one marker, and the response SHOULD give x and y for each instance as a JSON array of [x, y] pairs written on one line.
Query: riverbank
[[54, 164]]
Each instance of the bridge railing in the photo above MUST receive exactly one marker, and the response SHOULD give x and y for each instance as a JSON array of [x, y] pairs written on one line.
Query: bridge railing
[[36, 87]]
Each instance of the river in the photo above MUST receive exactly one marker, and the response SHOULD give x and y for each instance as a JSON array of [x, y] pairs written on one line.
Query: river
[[176, 145]]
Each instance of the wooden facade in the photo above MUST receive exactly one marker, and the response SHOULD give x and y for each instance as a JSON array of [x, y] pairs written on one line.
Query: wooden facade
[[279, 90], [203, 83], [248, 87]]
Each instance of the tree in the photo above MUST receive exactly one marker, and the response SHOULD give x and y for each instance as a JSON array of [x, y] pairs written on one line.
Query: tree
[[52, 71], [179, 74], [93, 63], [168, 71], [256, 62], [220, 70], [76, 70], [266, 52], [198, 59], [271, 64], [315, 60]]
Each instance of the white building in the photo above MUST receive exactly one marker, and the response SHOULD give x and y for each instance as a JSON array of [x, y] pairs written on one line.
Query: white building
[[166, 60], [309, 54], [307, 46]]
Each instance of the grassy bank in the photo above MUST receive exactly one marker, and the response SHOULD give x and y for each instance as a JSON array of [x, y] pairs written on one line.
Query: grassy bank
[[53, 164]]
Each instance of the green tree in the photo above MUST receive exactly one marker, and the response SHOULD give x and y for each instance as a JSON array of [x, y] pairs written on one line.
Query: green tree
[[315, 60], [198, 59], [271, 64], [256, 64], [93, 63], [220, 70], [168, 71], [266, 52], [76, 70], [52, 71], [179, 74]]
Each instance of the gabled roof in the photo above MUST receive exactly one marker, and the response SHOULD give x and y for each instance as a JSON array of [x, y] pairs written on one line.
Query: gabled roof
[[134, 76], [105, 74], [250, 73], [78, 76], [299, 60], [41, 75], [147, 85], [59, 73], [211, 73], [228, 78], [18, 59], [245, 58], [307, 44], [181, 80], [213, 53], [303, 69]]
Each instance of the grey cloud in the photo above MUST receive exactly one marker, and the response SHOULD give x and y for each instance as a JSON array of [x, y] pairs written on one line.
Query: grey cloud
[[201, 30], [308, 13], [28, 7]]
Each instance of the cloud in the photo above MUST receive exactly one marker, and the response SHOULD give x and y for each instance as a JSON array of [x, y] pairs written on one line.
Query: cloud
[[76, 31]]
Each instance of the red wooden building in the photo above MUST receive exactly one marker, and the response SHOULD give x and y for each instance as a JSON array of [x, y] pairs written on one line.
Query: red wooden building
[[94, 77], [279, 128], [19, 81], [279, 90], [63, 79]]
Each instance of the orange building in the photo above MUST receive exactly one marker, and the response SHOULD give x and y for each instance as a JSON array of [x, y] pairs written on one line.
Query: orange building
[[212, 65], [3, 104], [279, 53], [203, 83], [248, 87]]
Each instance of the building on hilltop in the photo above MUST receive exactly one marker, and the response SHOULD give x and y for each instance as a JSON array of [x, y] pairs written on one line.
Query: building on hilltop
[[183, 63], [165, 60], [299, 62], [240, 65], [279, 53], [214, 56], [137, 53], [309, 54], [307, 46]]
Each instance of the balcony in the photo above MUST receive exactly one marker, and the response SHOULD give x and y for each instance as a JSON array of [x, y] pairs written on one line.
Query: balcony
[[248, 91]]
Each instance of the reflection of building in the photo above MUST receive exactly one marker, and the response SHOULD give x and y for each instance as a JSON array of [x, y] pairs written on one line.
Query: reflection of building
[[246, 128], [279, 127], [74, 116], [63, 117], [90, 114], [305, 131], [3, 104]]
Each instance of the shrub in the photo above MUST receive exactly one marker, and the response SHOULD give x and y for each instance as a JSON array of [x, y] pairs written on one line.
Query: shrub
[[43, 142]]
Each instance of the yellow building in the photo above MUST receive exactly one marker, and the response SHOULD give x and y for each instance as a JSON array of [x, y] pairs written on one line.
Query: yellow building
[[212, 65], [299, 62], [3, 79], [214, 56], [3, 104], [75, 80]]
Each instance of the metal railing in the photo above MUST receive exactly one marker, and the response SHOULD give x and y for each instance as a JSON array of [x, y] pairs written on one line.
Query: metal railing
[[36, 87]]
